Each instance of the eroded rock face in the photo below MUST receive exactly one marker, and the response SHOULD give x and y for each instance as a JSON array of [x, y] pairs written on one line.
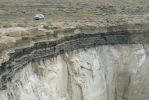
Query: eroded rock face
[[118, 72], [83, 50], [86, 65], [34, 47]]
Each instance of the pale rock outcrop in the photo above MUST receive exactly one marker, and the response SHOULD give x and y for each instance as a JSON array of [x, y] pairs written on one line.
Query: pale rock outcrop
[[103, 73]]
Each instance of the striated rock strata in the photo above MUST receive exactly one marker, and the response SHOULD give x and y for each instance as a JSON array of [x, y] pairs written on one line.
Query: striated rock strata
[[47, 49], [83, 62], [107, 72]]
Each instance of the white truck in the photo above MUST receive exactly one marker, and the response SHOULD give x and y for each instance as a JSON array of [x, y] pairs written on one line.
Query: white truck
[[39, 17]]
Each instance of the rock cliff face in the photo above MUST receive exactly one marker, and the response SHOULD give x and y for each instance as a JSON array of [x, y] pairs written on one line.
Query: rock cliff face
[[112, 65], [92, 51], [19, 57], [118, 72]]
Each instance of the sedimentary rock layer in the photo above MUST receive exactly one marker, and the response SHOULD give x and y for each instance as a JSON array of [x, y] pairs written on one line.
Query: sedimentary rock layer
[[134, 34], [107, 72]]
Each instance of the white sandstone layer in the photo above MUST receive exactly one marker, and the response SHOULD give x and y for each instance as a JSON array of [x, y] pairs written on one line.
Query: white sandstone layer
[[118, 72]]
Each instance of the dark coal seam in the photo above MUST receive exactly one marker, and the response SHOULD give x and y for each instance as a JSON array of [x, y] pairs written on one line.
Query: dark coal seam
[[50, 49]]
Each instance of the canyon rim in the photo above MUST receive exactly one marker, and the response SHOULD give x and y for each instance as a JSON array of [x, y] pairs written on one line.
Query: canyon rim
[[82, 50]]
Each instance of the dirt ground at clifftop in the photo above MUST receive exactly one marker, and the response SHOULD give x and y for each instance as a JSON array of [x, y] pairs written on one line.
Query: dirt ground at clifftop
[[20, 12], [120, 2]]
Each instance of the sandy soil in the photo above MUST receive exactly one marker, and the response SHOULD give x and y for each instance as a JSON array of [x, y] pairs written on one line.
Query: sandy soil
[[13, 14]]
